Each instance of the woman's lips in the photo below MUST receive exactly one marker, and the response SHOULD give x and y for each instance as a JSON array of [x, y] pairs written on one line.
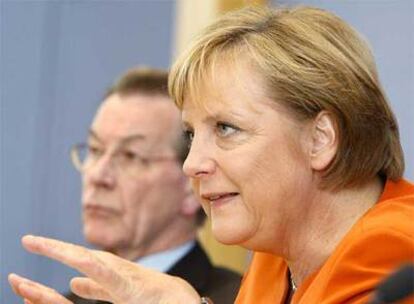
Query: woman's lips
[[219, 199]]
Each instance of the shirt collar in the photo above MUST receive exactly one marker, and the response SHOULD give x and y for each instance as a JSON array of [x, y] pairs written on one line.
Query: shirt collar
[[163, 261]]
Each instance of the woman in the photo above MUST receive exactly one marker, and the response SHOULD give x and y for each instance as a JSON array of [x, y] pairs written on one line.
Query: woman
[[294, 154]]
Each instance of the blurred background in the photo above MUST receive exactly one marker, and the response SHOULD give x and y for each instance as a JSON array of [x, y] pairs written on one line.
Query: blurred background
[[58, 57]]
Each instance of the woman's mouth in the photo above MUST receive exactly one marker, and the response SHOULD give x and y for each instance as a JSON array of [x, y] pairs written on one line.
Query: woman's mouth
[[219, 199]]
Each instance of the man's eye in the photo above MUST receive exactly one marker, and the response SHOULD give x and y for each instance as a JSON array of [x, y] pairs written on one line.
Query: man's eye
[[226, 129], [129, 155], [95, 151]]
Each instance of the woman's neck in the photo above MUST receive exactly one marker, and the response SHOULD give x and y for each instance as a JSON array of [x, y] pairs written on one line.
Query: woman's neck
[[329, 217]]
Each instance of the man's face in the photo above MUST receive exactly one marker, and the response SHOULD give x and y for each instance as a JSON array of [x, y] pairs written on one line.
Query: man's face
[[128, 205]]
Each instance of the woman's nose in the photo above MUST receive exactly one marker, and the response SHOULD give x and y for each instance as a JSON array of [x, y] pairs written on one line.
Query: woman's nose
[[199, 162]]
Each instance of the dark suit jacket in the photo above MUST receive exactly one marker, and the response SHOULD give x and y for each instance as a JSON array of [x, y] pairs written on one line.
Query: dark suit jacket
[[219, 284]]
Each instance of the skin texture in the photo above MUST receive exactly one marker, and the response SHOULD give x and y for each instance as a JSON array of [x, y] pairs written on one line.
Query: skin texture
[[124, 211], [242, 144], [110, 278]]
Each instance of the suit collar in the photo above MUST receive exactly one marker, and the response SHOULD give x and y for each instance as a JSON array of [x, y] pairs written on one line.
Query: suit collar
[[193, 267]]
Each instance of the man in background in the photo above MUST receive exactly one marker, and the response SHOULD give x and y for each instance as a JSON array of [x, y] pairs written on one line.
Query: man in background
[[136, 202]]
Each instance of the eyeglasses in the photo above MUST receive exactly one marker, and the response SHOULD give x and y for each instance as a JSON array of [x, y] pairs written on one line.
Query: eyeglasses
[[85, 156]]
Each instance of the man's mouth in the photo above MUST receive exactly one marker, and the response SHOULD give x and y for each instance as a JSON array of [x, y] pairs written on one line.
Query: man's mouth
[[99, 211]]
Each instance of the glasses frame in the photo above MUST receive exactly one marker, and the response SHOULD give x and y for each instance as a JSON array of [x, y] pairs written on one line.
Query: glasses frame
[[77, 163]]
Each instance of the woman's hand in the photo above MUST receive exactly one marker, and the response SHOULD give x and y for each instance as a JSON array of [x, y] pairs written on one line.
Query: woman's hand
[[35, 293], [108, 277]]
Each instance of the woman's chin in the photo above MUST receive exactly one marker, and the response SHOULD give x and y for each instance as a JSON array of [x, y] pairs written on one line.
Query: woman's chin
[[229, 234]]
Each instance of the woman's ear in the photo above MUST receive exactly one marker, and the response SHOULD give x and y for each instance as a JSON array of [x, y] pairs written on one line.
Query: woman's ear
[[324, 141]]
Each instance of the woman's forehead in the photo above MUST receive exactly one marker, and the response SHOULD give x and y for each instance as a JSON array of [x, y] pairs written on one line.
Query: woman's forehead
[[226, 102], [226, 82]]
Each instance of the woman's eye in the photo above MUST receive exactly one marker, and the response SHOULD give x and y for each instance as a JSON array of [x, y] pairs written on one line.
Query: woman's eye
[[226, 129], [188, 136]]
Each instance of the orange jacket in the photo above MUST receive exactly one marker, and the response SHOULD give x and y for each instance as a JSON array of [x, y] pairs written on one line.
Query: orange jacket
[[375, 246]]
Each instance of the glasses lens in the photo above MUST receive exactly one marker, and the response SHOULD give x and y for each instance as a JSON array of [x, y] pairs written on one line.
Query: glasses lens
[[79, 153], [84, 156]]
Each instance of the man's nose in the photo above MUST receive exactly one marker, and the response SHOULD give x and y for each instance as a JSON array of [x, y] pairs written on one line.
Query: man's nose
[[199, 162], [102, 172]]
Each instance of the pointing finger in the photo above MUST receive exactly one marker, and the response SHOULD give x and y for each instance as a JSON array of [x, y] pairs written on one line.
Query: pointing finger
[[82, 259]]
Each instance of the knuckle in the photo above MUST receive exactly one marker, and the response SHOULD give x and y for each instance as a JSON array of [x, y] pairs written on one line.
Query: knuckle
[[86, 261]]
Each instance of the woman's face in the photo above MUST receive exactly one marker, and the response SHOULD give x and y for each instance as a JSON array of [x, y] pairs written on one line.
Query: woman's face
[[247, 160]]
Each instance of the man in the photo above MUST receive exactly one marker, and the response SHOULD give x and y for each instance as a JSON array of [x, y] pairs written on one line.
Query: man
[[136, 202]]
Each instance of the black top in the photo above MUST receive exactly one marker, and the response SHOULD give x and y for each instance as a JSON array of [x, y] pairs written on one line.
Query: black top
[[217, 283]]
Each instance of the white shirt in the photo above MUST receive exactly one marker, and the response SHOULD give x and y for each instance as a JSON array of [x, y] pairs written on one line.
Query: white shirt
[[163, 261]]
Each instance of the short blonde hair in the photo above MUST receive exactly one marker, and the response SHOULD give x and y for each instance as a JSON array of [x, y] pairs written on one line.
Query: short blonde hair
[[310, 61]]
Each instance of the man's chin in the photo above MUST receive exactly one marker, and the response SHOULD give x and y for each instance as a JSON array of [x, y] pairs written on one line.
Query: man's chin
[[101, 238]]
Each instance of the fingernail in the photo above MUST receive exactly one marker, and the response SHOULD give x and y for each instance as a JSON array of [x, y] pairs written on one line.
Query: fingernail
[[29, 239], [12, 277]]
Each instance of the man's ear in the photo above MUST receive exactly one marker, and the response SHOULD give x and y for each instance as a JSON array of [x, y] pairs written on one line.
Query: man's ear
[[190, 205], [324, 141]]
